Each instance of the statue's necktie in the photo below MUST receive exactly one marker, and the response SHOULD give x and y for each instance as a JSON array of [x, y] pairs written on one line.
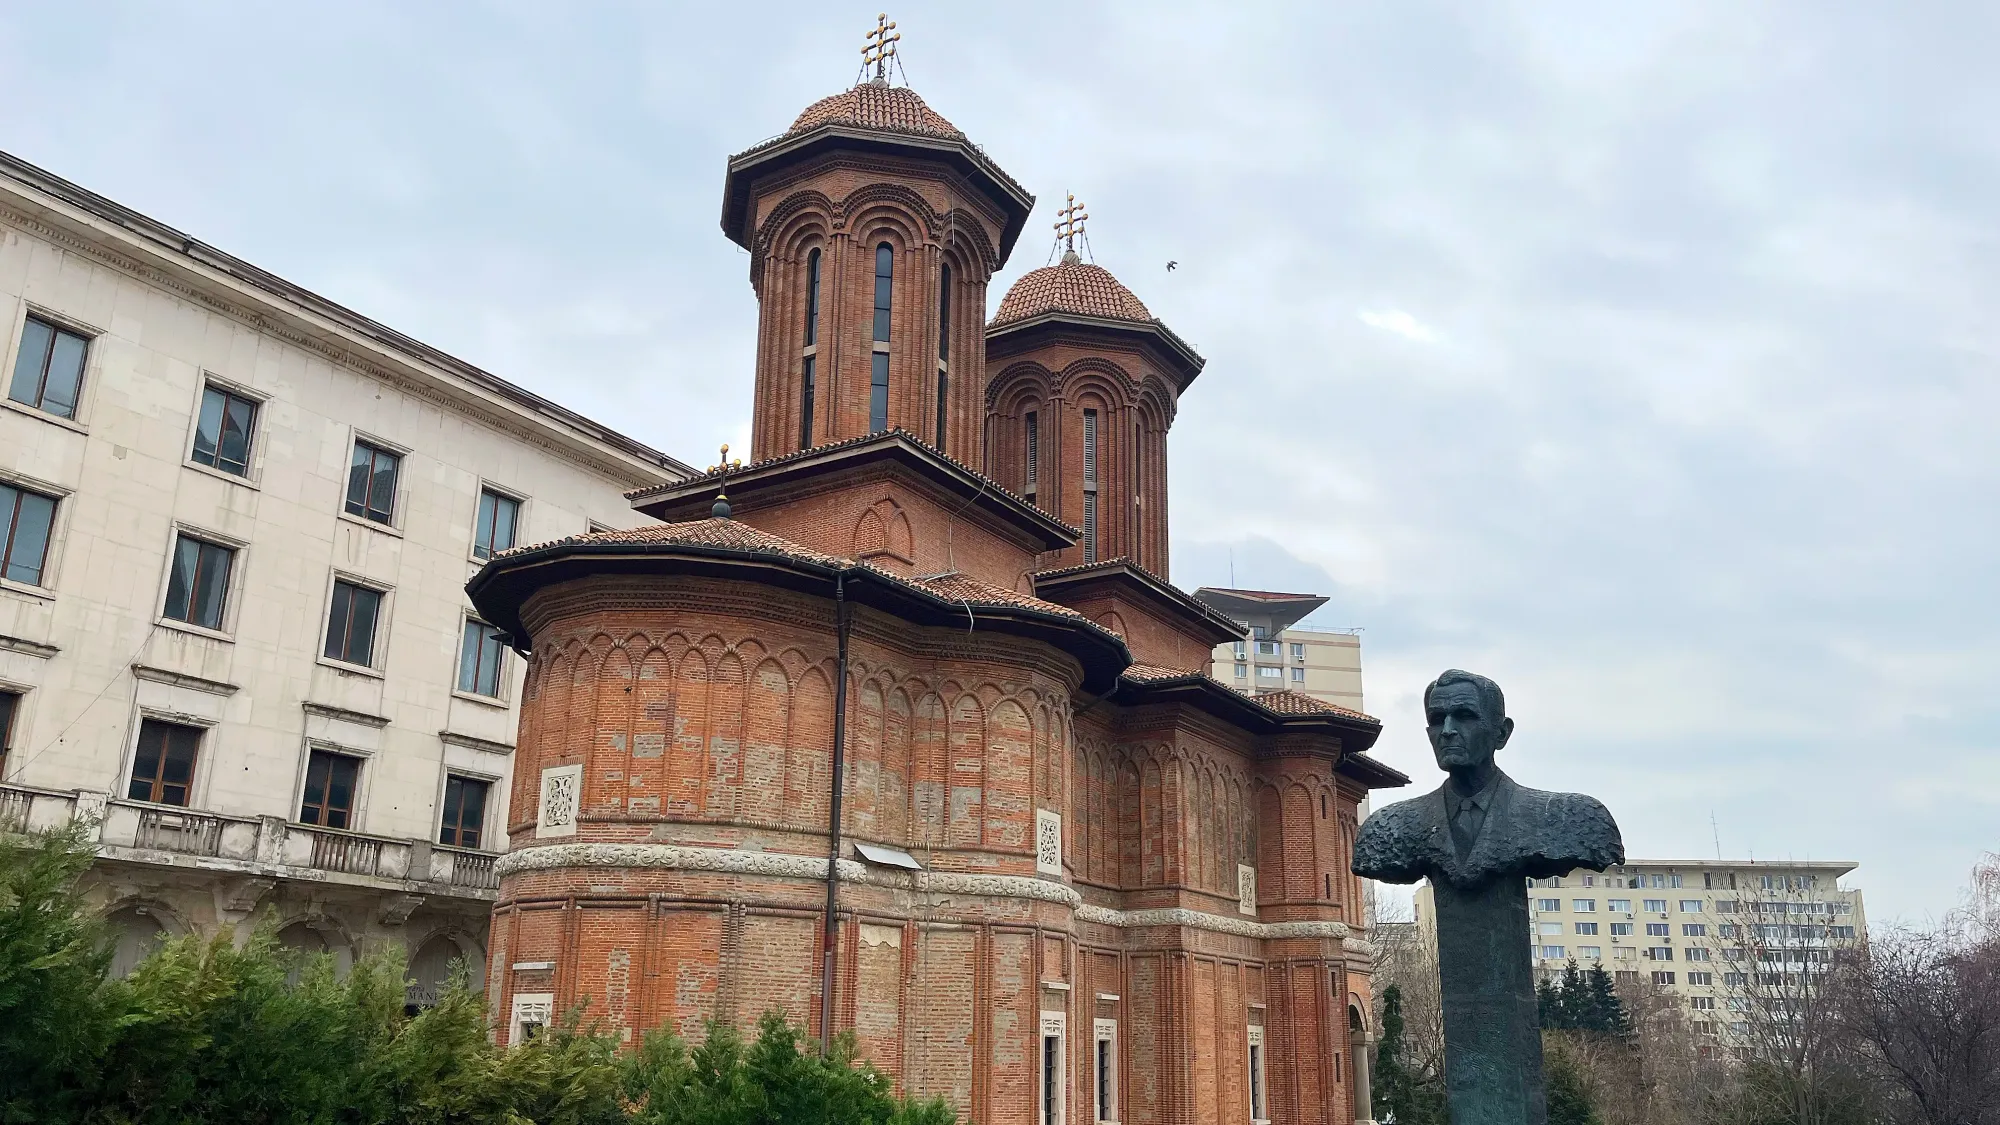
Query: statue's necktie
[[1467, 822]]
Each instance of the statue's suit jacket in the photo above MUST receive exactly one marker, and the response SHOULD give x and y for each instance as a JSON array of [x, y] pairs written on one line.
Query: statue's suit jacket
[[1527, 833]]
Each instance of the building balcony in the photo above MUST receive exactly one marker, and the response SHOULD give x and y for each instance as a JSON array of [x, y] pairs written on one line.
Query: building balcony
[[135, 832]]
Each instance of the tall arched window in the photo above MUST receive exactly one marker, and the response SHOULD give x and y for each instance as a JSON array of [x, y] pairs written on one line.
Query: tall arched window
[[1090, 486], [1034, 454], [878, 382], [811, 350], [944, 349]]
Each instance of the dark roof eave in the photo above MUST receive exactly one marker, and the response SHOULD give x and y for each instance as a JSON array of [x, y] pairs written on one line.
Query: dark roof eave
[[1371, 773], [1220, 628], [1014, 199], [1188, 361], [504, 584], [1356, 734]]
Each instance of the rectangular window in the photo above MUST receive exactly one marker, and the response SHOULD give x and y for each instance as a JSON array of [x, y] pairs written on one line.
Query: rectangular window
[[24, 548], [1105, 1062], [1240, 652], [329, 796], [1672, 881], [499, 516], [1659, 880], [1703, 979], [1549, 929], [1583, 905], [371, 482], [1656, 906], [1590, 952], [350, 626], [1618, 905], [1298, 652], [1587, 929], [1242, 671], [1657, 929], [1267, 672], [1624, 953], [806, 404], [1257, 1074], [1660, 953], [163, 767], [1621, 929], [199, 583], [1052, 1079], [1695, 953], [1298, 675], [1549, 904], [10, 702], [464, 812], [1625, 976], [480, 659], [885, 270], [48, 372], [1267, 648], [1663, 978], [222, 435], [1552, 952], [1690, 906], [878, 394], [1694, 929]]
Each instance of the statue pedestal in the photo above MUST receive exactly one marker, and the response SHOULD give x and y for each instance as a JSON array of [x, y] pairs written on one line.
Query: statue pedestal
[[1492, 1031]]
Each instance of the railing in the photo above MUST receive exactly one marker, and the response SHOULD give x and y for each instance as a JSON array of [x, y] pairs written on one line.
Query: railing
[[14, 806], [188, 833], [355, 855], [469, 869], [245, 843]]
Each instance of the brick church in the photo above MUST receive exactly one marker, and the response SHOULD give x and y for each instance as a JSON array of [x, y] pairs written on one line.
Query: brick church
[[899, 727]]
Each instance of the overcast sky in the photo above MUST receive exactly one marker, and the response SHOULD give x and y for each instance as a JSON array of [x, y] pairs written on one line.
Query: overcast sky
[[1642, 358]]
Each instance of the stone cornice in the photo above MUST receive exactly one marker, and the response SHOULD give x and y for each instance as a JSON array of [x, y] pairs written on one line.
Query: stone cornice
[[28, 647], [183, 679], [730, 861]]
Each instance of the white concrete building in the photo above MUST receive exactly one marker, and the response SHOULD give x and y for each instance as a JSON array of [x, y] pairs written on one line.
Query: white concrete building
[[236, 521]]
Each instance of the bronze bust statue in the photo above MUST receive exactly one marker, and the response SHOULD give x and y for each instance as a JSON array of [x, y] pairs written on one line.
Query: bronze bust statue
[[1479, 838]]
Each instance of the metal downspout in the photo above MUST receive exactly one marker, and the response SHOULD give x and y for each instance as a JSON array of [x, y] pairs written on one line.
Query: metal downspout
[[830, 937]]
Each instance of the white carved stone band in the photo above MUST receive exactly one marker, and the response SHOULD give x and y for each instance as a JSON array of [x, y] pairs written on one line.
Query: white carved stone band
[[733, 862]]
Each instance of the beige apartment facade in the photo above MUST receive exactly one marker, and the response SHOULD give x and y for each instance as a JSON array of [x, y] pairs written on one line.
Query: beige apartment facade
[[1279, 654], [236, 522], [1722, 940]]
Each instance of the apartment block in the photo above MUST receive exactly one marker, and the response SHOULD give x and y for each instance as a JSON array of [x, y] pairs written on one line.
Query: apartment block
[[1719, 936]]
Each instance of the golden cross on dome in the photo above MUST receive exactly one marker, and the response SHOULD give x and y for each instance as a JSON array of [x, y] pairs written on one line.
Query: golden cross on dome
[[1072, 219], [881, 46]]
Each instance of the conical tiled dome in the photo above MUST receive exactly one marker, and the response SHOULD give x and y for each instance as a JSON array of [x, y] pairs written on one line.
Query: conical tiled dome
[[876, 105], [1070, 286]]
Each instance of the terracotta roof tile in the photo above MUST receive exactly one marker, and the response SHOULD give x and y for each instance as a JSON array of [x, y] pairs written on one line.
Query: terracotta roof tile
[[1298, 703], [1153, 673], [870, 105], [965, 588], [1070, 286]]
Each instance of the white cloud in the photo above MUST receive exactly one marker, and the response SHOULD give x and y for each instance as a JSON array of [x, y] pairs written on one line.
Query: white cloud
[[1400, 323]]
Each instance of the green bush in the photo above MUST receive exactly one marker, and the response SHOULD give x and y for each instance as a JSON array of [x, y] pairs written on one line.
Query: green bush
[[203, 1031]]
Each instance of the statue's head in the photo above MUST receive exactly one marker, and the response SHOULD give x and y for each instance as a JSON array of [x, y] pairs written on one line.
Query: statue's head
[[1466, 718]]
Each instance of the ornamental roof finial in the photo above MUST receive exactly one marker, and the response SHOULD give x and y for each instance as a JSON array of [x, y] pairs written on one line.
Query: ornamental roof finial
[[1069, 225], [881, 48]]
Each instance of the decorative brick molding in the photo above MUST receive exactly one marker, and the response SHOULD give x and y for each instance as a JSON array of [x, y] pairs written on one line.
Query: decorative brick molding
[[1219, 923], [786, 866]]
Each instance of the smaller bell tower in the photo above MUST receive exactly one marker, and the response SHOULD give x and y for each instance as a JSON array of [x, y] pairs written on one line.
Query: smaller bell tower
[[1082, 384]]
